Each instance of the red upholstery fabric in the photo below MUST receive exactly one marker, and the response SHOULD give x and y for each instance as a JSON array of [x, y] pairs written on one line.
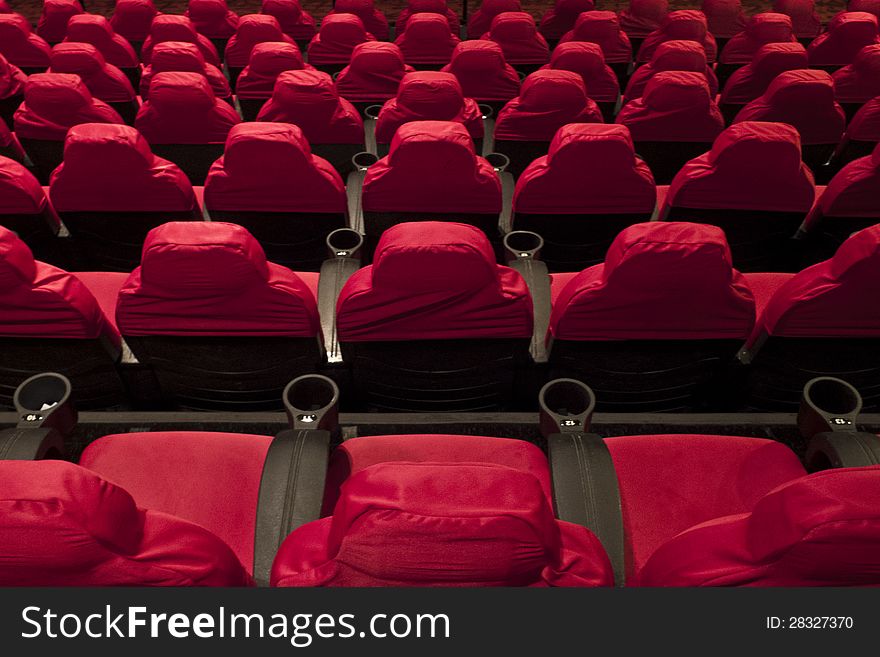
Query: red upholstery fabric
[[830, 299], [677, 282], [518, 37], [549, 100], [212, 18], [253, 29], [110, 168], [10, 142], [441, 524], [268, 60], [40, 301], [97, 30], [105, 287], [20, 45], [11, 79], [482, 71], [760, 30], [428, 96], [676, 106], [682, 25], [725, 18], [374, 20], [432, 164], [374, 73], [52, 25], [211, 479], [589, 169], [414, 7], [20, 192], [427, 40], [480, 21], [167, 27], [357, 454], [294, 21], [433, 281], [870, 6], [132, 18], [309, 99], [180, 56], [182, 109], [338, 36], [672, 56], [804, 19], [587, 60], [851, 193], [270, 167], [643, 17], [63, 525], [859, 82], [820, 530], [105, 81], [54, 102], [847, 34], [865, 125], [764, 286], [751, 81], [199, 278], [804, 99], [764, 158], [560, 18], [669, 483], [603, 28]]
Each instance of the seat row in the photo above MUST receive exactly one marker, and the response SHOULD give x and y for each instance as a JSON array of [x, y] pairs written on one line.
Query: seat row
[[174, 508], [664, 323]]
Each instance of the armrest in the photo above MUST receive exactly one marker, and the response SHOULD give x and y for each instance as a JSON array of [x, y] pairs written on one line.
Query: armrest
[[523, 249], [291, 492], [344, 245], [842, 450], [31, 444]]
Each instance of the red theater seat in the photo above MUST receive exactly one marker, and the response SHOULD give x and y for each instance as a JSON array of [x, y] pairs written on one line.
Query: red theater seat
[[523, 46], [166, 27], [443, 521], [480, 21], [427, 41], [862, 134], [255, 83], [330, 49], [269, 182], [53, 322], [751, 81], [804, 99], [105, 81], [9, 144], [111, 190], [602, 28], [847, 34], [821, 322], [581, 194], [642, 17], [804, 20], [213, 18], [764, 158], [97, 30], [53, 103], [672, 56], [295, 22], [674, 121], [373, 19], [414, 7], [429, 96], [12, 82], [457, 324], [373, 75], [65, 525], [183, 57], [185, 123], [309, 100], [483, 73], [25, 210], [658, 324], [52, 25], [870, 6], [682, 25], [20, 46], [253, 29], [549, 100], [725, 18], [587, 60], [132, 19], [857, 83], [561, 18], [219, 326]]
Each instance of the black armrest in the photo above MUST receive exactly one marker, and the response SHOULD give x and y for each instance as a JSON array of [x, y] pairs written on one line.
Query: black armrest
[[27, 444], [344, 246], [586, 493], [834, 449], [291, 492], [523, 250]]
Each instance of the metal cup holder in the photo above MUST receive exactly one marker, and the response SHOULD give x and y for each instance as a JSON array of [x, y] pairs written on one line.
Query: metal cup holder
[[566, 407], [44, 400], [312, 402], [828, 404], [486, 110], [344, 243], [499, 161], [363, 160], [372, 111], [523, 245]]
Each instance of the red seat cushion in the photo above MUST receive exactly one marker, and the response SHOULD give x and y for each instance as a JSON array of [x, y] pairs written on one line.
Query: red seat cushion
[[132, 18], [480, 20], [373, 19], [848, 32], [105, 81], [268, 60], [97, 30], [602, 28], [725, 18], [518, 37], [20, 45], [52, 25], [338, 36], [171, 56], [761, 29], [684, 24], [414, 7], [672, 56], [750, 81], [374, 73], [212, 18], [587, 60], [295, 22], [804, 19], [168, 27], [859, 82], [253, 29], [643, 17]]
